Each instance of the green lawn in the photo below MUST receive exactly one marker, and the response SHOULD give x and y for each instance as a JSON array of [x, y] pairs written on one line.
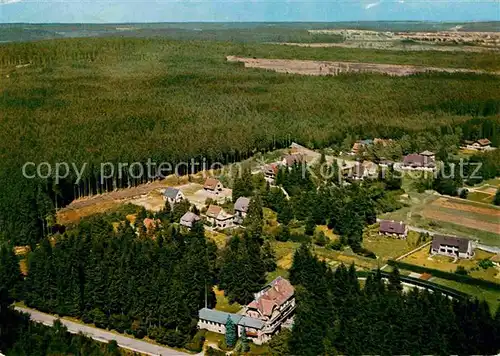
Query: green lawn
[[480, 197], [223, 303], [491, 296], [387, 247], [278, 272]]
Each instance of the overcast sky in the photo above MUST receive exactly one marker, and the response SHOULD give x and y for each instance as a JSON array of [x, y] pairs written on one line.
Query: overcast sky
[[102, 11]]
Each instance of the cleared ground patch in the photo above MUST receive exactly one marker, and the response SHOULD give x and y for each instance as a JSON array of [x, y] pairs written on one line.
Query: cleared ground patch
[[310, 67]]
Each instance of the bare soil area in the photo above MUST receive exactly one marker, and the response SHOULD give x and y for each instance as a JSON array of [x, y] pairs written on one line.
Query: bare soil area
[[394, 46], [450, 204], [460, 220], [310, 67]]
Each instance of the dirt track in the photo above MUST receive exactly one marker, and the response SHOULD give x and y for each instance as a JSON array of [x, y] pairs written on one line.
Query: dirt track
[[310, 67]]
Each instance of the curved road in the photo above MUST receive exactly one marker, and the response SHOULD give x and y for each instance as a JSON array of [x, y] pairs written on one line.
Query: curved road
[[103, 335]]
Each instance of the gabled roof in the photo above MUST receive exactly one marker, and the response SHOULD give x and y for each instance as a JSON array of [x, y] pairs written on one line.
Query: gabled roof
[[392, 227], [220, 317], [460, 242], [190, 217], [171, 192], [427, 153], [242, 204], [213, 211], [484, 142], [211, 183], [217, 316], [273, 296], [251, 322], [418, 160]]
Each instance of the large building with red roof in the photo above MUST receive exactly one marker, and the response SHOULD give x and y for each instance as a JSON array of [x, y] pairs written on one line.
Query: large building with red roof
[[271, 310]]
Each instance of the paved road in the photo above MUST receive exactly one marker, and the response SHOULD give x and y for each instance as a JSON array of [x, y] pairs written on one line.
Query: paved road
[[103, 336]]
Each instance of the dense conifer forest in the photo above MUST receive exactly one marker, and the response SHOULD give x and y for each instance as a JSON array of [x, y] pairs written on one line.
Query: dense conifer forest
[[126, 100], [21, 337]]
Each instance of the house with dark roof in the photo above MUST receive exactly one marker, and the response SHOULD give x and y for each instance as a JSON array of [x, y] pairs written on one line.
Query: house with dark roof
[[240, 209], [173, 195], [393, 228], [452, 246], [188, 219], [271, 310], [219, 219], [418, 161], [213, 185]]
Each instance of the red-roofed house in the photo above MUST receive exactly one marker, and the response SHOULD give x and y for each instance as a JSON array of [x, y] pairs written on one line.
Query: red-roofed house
[[218, 217], [213, 185], [274, 306], [482, 144]]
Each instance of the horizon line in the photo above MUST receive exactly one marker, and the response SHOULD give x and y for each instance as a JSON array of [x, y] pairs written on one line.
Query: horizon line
[[267, 22]]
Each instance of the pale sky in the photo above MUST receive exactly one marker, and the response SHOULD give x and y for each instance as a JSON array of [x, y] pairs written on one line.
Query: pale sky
[[114, 11]]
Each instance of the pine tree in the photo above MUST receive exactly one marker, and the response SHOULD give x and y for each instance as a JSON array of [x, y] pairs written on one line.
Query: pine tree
[[268, 257], [231, 335], [255, 217], [395, 281], [245, 347]]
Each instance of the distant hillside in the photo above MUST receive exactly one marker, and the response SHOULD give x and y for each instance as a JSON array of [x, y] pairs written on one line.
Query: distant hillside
[[231, 31]]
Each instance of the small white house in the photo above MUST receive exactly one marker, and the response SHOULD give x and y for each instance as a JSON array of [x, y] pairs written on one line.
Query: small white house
[[173, 195], [218, 217]]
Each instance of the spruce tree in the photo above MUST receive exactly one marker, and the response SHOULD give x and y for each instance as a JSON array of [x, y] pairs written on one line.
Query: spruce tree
[[231, 333]]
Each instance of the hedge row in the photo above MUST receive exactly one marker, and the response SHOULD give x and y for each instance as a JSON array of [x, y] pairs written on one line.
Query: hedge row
[[446, 275]]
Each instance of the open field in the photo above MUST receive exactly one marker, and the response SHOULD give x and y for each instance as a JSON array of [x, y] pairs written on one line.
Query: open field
[[447, 264], [387, 247], [448, 215], [466, 213], [323, 68]]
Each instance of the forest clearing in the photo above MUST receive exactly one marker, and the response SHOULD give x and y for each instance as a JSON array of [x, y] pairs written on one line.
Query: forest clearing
[[322, 68]]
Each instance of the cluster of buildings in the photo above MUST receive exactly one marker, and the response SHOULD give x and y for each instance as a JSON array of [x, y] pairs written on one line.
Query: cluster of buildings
[[271, 310], [451, 246], [482, 144], [271, 170], [215, 215]]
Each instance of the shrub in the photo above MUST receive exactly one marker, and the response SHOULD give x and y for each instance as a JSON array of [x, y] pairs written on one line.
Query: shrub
[[485, 264], [196, 344], [335, 245], [461, 270]]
